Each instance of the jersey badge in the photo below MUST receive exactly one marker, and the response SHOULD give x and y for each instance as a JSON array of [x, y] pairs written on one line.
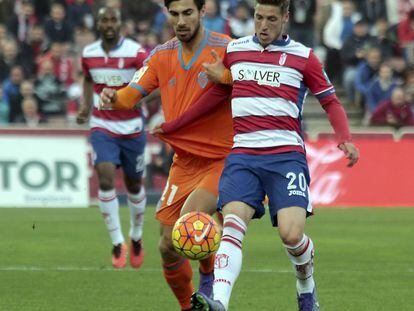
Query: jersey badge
[[202, 79], [282, 59]]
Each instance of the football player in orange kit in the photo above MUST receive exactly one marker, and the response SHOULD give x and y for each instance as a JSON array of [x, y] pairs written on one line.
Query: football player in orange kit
[[176, 68]]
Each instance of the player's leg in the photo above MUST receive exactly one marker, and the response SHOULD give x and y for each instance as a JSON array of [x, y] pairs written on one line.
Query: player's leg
[[242, 201], [289, 204], [132, 160], [106, 158], [177, 270], [204, 199]]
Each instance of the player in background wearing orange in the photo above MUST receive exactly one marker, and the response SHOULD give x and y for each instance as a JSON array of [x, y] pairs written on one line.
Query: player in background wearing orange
[[176, 68]]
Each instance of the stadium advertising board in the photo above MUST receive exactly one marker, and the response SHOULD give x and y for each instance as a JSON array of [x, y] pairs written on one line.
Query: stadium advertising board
[[382, 177], [43, 171]]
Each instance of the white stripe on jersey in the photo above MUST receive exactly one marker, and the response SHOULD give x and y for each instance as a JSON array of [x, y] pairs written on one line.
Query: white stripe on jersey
[[126, 127], [268, 138], [125, 48], [112, 76], [266, 74], [263, 106]]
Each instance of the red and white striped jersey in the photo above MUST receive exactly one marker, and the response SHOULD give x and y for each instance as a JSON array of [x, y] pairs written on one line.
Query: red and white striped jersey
[[114, 70], [269, 88]]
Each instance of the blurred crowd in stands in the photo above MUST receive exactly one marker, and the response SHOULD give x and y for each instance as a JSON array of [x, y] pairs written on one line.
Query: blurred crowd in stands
[[367, 47]]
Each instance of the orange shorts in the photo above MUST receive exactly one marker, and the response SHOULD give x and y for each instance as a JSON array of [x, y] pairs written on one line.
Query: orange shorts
[[187, 173]]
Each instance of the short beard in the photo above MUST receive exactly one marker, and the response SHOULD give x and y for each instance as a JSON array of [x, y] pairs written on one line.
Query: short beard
[[193, 35]]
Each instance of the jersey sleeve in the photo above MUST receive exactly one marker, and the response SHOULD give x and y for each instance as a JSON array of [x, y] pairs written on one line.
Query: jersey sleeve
[[145, 79], [316, 79]]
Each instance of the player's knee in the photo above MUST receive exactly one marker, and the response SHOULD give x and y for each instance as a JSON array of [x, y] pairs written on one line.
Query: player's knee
[[106, 184], [133, 187], [291, 237]]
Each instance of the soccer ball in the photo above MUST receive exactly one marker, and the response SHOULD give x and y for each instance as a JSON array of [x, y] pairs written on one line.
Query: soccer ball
[[196, 235]]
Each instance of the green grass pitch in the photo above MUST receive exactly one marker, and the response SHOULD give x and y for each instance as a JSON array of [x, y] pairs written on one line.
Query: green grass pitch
[[59, 259]]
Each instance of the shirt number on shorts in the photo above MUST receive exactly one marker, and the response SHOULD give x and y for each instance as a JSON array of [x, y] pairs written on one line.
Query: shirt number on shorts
[[301, 178], [173, 191]]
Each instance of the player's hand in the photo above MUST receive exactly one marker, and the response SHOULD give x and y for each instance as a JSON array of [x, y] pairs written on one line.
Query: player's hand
[[83, 114], [351, 153], [216, 69], [157, 130], [107, 99]]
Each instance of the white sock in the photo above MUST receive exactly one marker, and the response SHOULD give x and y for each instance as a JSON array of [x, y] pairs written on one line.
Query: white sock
[[228, 261], [109, 207], [136, 204], [301, 256]]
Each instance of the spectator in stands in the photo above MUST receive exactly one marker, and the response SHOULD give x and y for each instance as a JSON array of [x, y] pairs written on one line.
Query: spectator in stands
[[372, 10], [12, 93], [366, 71], [241, 23], [4, 108], [63, 65], [352, 53], [160, 18], [11, 57], [337, 29], [57, 28], [395, 112], [301, 22], [380, 88], [27, 89], [35, 45], [50, 91], [22, 21], [382, 38], [31, 115], [212, 19], [6, 9], [80, 14]]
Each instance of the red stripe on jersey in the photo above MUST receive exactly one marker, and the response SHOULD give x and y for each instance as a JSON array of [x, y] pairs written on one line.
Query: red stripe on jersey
[[111, 62], [267, 150], [252, 89], [101, 129], [269, 58], [116, 115], [258, 123]]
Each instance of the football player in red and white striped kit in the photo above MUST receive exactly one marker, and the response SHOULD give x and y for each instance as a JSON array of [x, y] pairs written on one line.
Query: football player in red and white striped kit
[[117, 137], [271, 75]]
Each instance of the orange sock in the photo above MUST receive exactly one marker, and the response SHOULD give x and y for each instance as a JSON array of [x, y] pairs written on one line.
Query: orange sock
[[207, 265], [179, 277]]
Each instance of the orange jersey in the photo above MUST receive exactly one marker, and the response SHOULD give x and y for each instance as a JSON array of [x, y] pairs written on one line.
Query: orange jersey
[[181, 84]]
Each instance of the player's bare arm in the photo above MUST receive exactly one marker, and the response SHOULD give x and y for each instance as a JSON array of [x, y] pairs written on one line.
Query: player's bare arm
[[86, 105]]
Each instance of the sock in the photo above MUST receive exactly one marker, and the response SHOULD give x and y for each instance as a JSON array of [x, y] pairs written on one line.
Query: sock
[[228, 259], [301, 256], [179, 277], [207, 265], [109, 207], [136, 204]]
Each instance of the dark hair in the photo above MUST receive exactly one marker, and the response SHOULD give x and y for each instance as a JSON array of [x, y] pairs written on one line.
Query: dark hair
[[199, 3], [282, 4]]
